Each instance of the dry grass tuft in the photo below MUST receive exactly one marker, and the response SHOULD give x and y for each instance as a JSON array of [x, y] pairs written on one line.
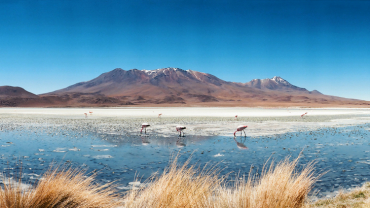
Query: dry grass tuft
[[183, 186], [59, 189], [359, 197], [278, 186]]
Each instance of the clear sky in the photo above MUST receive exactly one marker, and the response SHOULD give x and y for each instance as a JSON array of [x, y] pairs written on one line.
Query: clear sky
[[46, 45]]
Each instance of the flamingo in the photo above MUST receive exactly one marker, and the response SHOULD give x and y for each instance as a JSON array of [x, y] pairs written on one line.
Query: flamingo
[[180, 129], [303, 115], [241, 128], [236, 117], [90, 112], [240, 145], [159, 115], [85, 115], [144, 126]]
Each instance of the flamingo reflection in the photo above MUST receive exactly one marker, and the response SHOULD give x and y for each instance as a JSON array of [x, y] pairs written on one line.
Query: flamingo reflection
[[180, 143], [240, 145], [145, 140]]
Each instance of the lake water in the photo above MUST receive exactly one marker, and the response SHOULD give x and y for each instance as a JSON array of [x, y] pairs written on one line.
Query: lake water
[[344, 152]]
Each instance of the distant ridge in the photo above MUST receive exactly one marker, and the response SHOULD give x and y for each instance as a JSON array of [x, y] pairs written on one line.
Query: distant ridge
[[117, 81], [276, 83], [178, 87], [9, 91]]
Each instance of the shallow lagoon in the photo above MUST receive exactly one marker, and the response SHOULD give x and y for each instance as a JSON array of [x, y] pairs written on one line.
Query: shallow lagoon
[[344, 152]]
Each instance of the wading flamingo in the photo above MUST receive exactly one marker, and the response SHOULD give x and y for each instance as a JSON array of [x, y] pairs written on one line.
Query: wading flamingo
[[144, 126], [85, 115], [90, 112], [241, 129], [236, 117], [303, 115], [180, 129], [159, 115]]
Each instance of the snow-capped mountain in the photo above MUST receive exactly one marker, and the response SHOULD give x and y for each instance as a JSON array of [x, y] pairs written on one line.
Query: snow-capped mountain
[[276, 83], [173, 80], [179, 87]]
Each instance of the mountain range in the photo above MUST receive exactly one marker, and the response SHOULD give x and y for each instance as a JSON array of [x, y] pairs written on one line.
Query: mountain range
[[173, 87]]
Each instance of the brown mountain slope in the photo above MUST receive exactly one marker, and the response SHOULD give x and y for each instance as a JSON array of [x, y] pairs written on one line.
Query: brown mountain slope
[[177, 86], [9, 91]]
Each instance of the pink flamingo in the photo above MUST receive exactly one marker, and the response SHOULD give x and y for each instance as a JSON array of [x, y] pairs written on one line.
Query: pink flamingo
[[303, 115], [159, 115], [144, 126], [180, 129], [236, 117], [241, 129], [85, 115], [90, 112]]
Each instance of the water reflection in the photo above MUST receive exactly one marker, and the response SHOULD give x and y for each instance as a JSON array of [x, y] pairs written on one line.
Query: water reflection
[[241, 144], [344, 152], [180, 143], [145, 140]]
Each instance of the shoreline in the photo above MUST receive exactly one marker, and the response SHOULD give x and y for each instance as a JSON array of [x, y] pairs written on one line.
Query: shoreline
[[199, 121]]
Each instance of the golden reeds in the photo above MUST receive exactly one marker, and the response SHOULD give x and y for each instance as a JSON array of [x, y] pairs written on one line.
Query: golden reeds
[[184, 186], [187, 186], [278, 186], [59, 189], [358, 197]]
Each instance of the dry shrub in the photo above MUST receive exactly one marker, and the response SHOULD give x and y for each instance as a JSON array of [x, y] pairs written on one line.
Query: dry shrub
[[184, 186], [179, 186], [278, 186], [358, 197], [59, 189], [12, 195]]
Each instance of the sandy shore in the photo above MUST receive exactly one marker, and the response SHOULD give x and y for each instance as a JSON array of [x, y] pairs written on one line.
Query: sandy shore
[[199, 121]]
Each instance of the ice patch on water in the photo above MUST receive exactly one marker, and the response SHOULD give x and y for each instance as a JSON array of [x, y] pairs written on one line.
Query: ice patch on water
[[218, 155], [102, 156], [109, 145], [135, 183], [365, 162], [74, 149], [59, 150], [15, 184], [102, 150], [125, 187]]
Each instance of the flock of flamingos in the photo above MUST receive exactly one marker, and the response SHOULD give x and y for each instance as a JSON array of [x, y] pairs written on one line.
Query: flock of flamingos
[[181, 128]]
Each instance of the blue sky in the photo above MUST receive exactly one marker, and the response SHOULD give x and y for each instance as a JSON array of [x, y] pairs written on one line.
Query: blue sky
[[323, 45]]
